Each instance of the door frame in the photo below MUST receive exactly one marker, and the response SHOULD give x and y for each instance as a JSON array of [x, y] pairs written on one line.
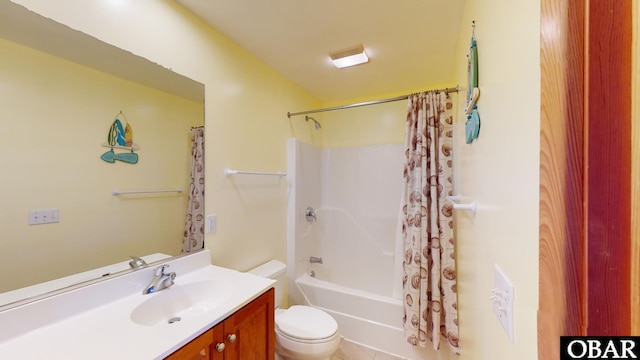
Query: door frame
[[586, 231]]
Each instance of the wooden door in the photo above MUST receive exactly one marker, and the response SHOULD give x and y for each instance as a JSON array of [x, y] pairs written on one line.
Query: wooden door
[[608, 175], [635, 176]]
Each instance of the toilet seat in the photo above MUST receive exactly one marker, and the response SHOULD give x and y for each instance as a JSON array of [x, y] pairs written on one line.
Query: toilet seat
[[306, 324]]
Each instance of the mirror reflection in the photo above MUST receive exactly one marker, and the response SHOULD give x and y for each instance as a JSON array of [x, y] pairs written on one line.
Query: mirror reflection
[[56, 115]]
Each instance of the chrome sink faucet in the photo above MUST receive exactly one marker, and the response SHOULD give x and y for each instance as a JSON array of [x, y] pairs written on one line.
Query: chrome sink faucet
[[161, 280], [137, 263]]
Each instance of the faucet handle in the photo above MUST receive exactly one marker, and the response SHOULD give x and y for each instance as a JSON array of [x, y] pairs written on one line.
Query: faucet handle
[[160, 269]]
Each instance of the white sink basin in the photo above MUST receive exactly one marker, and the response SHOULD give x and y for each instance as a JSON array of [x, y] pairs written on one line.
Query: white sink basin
[[181, 302]]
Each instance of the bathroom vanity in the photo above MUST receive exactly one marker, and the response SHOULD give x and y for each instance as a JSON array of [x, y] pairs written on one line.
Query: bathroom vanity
[[208, 313]]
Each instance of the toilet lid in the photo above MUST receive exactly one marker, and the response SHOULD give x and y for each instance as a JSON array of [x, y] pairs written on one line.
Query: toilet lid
[[306, 323]]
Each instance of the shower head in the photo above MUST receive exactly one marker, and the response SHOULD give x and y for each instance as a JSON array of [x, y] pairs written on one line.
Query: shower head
[[315, 122]]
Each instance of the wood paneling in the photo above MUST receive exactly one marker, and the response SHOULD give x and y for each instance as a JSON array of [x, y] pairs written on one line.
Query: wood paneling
[[635, 178], [608, 185], [562, 250], [585, 173]]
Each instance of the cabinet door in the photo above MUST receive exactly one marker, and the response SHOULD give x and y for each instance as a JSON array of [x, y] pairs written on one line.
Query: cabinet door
[[249, 333], [198, 349], [218, 345]]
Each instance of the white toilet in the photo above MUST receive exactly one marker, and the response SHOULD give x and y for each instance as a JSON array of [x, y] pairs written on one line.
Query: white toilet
[[302, 332]]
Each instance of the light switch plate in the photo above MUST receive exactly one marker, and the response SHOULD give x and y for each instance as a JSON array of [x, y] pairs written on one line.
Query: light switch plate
[[46, 216], [502, 296], [211, 225]]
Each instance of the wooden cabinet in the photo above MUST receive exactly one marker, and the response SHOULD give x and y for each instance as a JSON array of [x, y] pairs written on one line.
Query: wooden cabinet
[[199, 348], [248, 334]]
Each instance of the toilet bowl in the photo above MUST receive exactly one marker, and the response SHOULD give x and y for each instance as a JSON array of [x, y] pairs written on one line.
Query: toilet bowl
[[302, 332]]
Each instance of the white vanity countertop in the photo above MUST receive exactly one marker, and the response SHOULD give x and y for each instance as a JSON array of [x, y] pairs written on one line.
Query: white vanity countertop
[[94, 322]]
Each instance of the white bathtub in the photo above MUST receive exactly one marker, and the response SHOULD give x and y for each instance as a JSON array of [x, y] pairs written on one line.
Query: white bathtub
[[368, 319]]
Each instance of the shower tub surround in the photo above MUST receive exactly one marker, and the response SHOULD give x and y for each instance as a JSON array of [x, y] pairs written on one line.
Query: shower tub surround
[[355, 193]]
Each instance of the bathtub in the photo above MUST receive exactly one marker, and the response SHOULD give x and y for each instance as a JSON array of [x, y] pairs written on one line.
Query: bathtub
[[365, 318]]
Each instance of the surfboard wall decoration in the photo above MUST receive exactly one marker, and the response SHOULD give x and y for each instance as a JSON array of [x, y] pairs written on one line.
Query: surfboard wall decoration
[[472, 125], [120, 137]]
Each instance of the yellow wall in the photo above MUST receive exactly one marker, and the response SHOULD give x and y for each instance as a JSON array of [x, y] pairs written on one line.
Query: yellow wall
[[55, 117], [367, 125], [362, 126], [501, 172], [246, 105]]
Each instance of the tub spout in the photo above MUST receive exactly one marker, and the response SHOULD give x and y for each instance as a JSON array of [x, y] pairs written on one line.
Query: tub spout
[[315, 260]]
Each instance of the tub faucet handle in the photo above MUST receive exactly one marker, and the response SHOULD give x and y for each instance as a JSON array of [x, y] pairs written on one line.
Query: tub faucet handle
[[315, 260], [310, 214]]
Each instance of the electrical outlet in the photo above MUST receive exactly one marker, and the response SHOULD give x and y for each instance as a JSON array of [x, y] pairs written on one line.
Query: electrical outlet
[[502, 296], [46, 216], [210, 224]]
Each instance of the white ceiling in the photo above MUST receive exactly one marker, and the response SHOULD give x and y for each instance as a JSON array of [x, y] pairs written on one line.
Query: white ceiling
[[411, 43]]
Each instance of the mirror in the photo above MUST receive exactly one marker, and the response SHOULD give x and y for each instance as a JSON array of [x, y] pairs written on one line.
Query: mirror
[[60, 92]]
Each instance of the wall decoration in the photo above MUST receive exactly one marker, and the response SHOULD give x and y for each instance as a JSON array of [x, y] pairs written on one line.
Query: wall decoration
[[120, 137], [472, 125]]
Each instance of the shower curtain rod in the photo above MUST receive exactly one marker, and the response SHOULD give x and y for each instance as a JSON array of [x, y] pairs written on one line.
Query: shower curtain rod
[[366, 103]]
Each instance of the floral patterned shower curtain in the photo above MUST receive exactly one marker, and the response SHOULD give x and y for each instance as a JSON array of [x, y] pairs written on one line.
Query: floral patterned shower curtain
[[429, 276], [194, 226]]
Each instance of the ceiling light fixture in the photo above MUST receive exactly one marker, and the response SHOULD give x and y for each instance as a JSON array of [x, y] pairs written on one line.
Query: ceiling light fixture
[[349, 57]]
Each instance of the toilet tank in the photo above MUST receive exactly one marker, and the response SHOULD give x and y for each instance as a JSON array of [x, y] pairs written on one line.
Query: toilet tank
[[275, 270]]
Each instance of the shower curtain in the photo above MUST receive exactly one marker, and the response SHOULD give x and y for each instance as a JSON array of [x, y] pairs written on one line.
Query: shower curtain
[[194, 225], [429, 273]]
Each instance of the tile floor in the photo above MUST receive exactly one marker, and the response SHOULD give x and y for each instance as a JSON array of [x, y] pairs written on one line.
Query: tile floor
[[352, 351]]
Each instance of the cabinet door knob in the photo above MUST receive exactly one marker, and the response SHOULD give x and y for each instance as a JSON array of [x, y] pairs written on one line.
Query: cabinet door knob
[[220, 347], [231, 337]]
